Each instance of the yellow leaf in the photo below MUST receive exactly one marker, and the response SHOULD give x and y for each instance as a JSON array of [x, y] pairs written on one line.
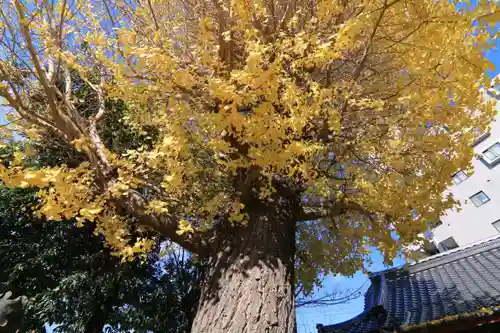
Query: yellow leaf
[[94, 211], [184, 226]]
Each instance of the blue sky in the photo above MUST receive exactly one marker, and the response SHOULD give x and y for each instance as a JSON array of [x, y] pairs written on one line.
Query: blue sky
[[494, 56], [307, 318]]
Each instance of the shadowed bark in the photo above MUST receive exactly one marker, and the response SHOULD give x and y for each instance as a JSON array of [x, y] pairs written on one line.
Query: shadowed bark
[[249, 286]]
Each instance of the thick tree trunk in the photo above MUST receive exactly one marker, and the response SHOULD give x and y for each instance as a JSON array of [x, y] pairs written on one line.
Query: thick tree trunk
[[249, 287], [95, 325], [99, 316]]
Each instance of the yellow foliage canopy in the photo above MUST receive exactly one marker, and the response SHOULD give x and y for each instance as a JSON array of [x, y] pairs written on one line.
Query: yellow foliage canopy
[[364, 108]]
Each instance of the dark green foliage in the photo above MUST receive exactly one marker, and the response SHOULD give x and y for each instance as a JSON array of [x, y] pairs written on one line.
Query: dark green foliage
[[71, 279], [116, 135]]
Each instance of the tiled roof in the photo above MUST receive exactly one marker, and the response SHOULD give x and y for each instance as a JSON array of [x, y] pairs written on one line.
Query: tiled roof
[[462, 281]]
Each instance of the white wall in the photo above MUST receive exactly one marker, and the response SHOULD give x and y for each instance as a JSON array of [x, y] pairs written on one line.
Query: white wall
[[473, 223]]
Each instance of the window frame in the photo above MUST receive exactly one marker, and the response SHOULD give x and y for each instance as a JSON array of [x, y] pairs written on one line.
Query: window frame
[[487, 159], [480, 138], [482, 202], [445, 247], [494, 226], [461, 180], [438, 223]]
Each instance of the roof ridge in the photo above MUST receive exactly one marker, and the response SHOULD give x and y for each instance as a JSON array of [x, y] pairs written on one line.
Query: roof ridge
[[436, 256], [457, 280], [458, 249], [355, 321]]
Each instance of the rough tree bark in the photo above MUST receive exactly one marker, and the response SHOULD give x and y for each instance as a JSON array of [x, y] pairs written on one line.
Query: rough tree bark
[[249, 286]]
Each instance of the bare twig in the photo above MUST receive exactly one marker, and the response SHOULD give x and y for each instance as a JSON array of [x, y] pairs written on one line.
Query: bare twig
[[332, 298]]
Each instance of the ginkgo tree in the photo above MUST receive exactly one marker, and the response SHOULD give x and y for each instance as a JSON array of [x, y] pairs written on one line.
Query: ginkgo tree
[[281, 139]]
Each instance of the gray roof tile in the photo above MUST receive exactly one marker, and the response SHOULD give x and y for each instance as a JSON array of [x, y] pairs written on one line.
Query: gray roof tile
[[460, 281]]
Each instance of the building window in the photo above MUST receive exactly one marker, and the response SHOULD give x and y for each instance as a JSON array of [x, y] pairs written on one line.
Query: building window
[[492, 154], [480, 138], [448, 244], [480, 198], [431, 225], [459, 177], [437, 223], [496, 224]]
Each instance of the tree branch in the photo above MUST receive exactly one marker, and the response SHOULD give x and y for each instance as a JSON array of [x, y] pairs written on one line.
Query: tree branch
[[310, 214], [31, 117], [333, 298], [72, 131], [330, 209], [100, 149], [360, 66], [134, 204], [150, 5]]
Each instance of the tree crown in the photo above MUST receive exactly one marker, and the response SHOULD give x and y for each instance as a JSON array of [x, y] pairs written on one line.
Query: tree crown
[[358, 111]]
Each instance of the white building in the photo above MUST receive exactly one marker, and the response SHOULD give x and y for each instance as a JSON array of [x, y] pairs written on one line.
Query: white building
[[479, 194]]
